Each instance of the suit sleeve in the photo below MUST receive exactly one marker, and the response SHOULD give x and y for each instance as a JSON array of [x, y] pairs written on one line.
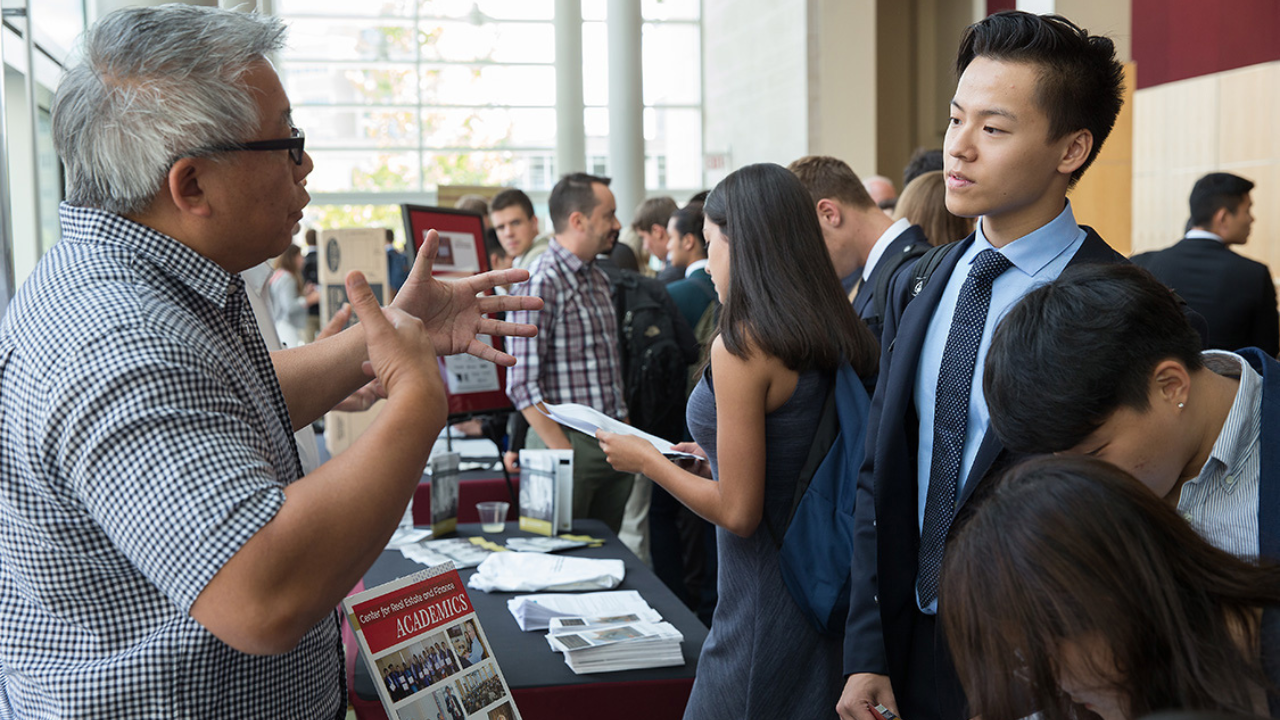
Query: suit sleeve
[[684, 334], [1266, 323], [863, 636]]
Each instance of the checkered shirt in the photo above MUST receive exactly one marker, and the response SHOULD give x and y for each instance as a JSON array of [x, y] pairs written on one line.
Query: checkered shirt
[[574, 358], [143, 441]]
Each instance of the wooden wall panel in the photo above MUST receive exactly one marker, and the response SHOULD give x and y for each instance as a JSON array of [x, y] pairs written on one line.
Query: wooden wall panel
[[1102, 199], [1215, 123]]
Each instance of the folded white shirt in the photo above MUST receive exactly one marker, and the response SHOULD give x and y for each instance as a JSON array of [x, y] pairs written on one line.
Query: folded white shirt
[[532, 572]]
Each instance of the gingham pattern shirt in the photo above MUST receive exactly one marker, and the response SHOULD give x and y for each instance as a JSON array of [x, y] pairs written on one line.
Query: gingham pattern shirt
[[143, 441], [574, 358], [1221, 503]]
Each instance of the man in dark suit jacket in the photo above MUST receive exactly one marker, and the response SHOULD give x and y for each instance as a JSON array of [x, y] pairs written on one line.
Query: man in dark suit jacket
[[1012, 152], [1234, 294], [864, 243]]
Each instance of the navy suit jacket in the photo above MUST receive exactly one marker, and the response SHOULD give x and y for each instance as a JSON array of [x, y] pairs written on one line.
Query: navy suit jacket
[[912, 237], [883, 614], [1233, 293], [1269, 471]]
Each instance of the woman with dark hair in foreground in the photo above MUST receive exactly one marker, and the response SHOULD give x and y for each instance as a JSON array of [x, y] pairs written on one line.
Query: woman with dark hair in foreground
[[1072, 587]]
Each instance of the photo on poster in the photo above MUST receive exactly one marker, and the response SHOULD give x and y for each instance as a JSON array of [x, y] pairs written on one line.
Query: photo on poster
[[457, 253], [467, 643], [502, 712], [480, 688], [417, 666]]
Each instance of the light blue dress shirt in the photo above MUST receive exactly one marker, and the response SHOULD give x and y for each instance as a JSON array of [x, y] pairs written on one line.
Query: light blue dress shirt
[[1037, 258]]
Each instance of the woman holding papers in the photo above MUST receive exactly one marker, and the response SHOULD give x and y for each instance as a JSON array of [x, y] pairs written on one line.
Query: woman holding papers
[[785, 328]]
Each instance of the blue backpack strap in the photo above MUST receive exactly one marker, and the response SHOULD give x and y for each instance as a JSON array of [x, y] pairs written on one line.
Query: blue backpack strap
[[824, 436], [817, 546]]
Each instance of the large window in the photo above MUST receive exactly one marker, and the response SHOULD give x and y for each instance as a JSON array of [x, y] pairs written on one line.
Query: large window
[[399, 97], [671, 54]]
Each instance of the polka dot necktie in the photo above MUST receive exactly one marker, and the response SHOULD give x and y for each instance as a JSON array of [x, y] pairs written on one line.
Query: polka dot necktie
[[951, 413]]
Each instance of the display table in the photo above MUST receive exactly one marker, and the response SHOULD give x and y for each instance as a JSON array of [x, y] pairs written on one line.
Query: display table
[[543, 687]]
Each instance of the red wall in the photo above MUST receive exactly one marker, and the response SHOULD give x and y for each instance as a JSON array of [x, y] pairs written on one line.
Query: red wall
[[995, 6], [1180, 39]]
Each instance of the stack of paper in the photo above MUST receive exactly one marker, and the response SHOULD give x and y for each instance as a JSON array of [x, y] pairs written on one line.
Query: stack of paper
[[534, 612], [608, 644]]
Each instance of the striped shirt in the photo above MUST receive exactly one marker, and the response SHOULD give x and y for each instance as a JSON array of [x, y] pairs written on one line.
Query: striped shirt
[[143, 441], [575, 356], [1221, 503]]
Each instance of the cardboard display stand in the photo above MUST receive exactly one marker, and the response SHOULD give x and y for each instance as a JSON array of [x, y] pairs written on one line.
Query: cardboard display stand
[[342, 251]]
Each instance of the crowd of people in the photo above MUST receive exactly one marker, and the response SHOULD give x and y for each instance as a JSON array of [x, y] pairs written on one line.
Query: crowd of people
[[1067, 504]]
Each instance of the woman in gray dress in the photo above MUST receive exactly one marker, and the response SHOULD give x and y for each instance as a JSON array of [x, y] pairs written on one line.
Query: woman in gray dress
[[785, 328]]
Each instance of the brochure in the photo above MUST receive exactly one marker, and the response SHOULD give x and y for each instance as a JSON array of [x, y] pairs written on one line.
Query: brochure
[[428, 654], [444, 493], [587, 420], [546, 491]]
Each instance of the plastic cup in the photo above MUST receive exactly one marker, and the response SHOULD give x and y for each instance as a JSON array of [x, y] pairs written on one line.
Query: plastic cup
[[493, 515]]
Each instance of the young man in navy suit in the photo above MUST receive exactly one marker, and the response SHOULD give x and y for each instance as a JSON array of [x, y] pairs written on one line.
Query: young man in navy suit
[[863, 242], [1035, 101], [1188, 424]]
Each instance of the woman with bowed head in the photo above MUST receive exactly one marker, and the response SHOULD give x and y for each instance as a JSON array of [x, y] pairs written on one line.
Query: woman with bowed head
[[1072, 587], [785, 327]]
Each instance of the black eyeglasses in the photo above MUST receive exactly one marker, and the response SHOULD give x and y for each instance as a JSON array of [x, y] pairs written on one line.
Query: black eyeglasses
[[293, 144]]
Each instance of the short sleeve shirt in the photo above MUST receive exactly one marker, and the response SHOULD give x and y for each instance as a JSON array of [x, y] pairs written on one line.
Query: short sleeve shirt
[[143, 440]]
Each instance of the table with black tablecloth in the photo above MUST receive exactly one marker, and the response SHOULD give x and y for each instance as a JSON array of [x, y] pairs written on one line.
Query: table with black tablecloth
[[542, 685]]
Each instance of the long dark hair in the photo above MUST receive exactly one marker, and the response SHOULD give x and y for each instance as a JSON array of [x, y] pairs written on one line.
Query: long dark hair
[[1070, 548], [785, 299]]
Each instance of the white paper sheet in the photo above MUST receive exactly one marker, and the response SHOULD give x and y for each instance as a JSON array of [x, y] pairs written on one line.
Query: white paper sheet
[[587, 420]]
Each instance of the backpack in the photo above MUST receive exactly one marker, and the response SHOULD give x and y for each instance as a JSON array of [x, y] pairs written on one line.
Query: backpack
[[929, 262], [880, 291], [816, 544], [655, 356]]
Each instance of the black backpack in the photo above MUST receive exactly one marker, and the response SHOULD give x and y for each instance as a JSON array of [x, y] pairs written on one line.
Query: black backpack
[[656, 347], [880, 291]]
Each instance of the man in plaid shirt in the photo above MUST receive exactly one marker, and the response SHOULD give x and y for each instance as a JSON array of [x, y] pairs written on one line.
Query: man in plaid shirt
[[575, 357], [160, 553]]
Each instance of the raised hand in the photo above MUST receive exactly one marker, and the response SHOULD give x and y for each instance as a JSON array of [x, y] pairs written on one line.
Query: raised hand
[[453, 311], [400, 349]]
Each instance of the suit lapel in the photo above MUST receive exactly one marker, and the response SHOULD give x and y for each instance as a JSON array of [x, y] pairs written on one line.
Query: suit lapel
[[913, 326]]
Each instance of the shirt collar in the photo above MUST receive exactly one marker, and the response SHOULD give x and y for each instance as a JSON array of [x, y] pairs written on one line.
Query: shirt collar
[[1241, 429], [257, 278], [188, 267], [882, 242], [1033, 251], [1198, 234], [694, 267], [573, 261]]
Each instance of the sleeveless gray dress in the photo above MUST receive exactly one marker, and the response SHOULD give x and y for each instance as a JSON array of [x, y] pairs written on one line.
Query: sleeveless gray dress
[[762, 658]]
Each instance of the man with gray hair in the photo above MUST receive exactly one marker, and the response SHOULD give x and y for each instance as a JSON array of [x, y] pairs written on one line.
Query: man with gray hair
[[160, 553]]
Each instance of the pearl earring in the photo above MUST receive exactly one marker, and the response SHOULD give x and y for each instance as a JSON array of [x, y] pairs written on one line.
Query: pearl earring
[[1181, 405]]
